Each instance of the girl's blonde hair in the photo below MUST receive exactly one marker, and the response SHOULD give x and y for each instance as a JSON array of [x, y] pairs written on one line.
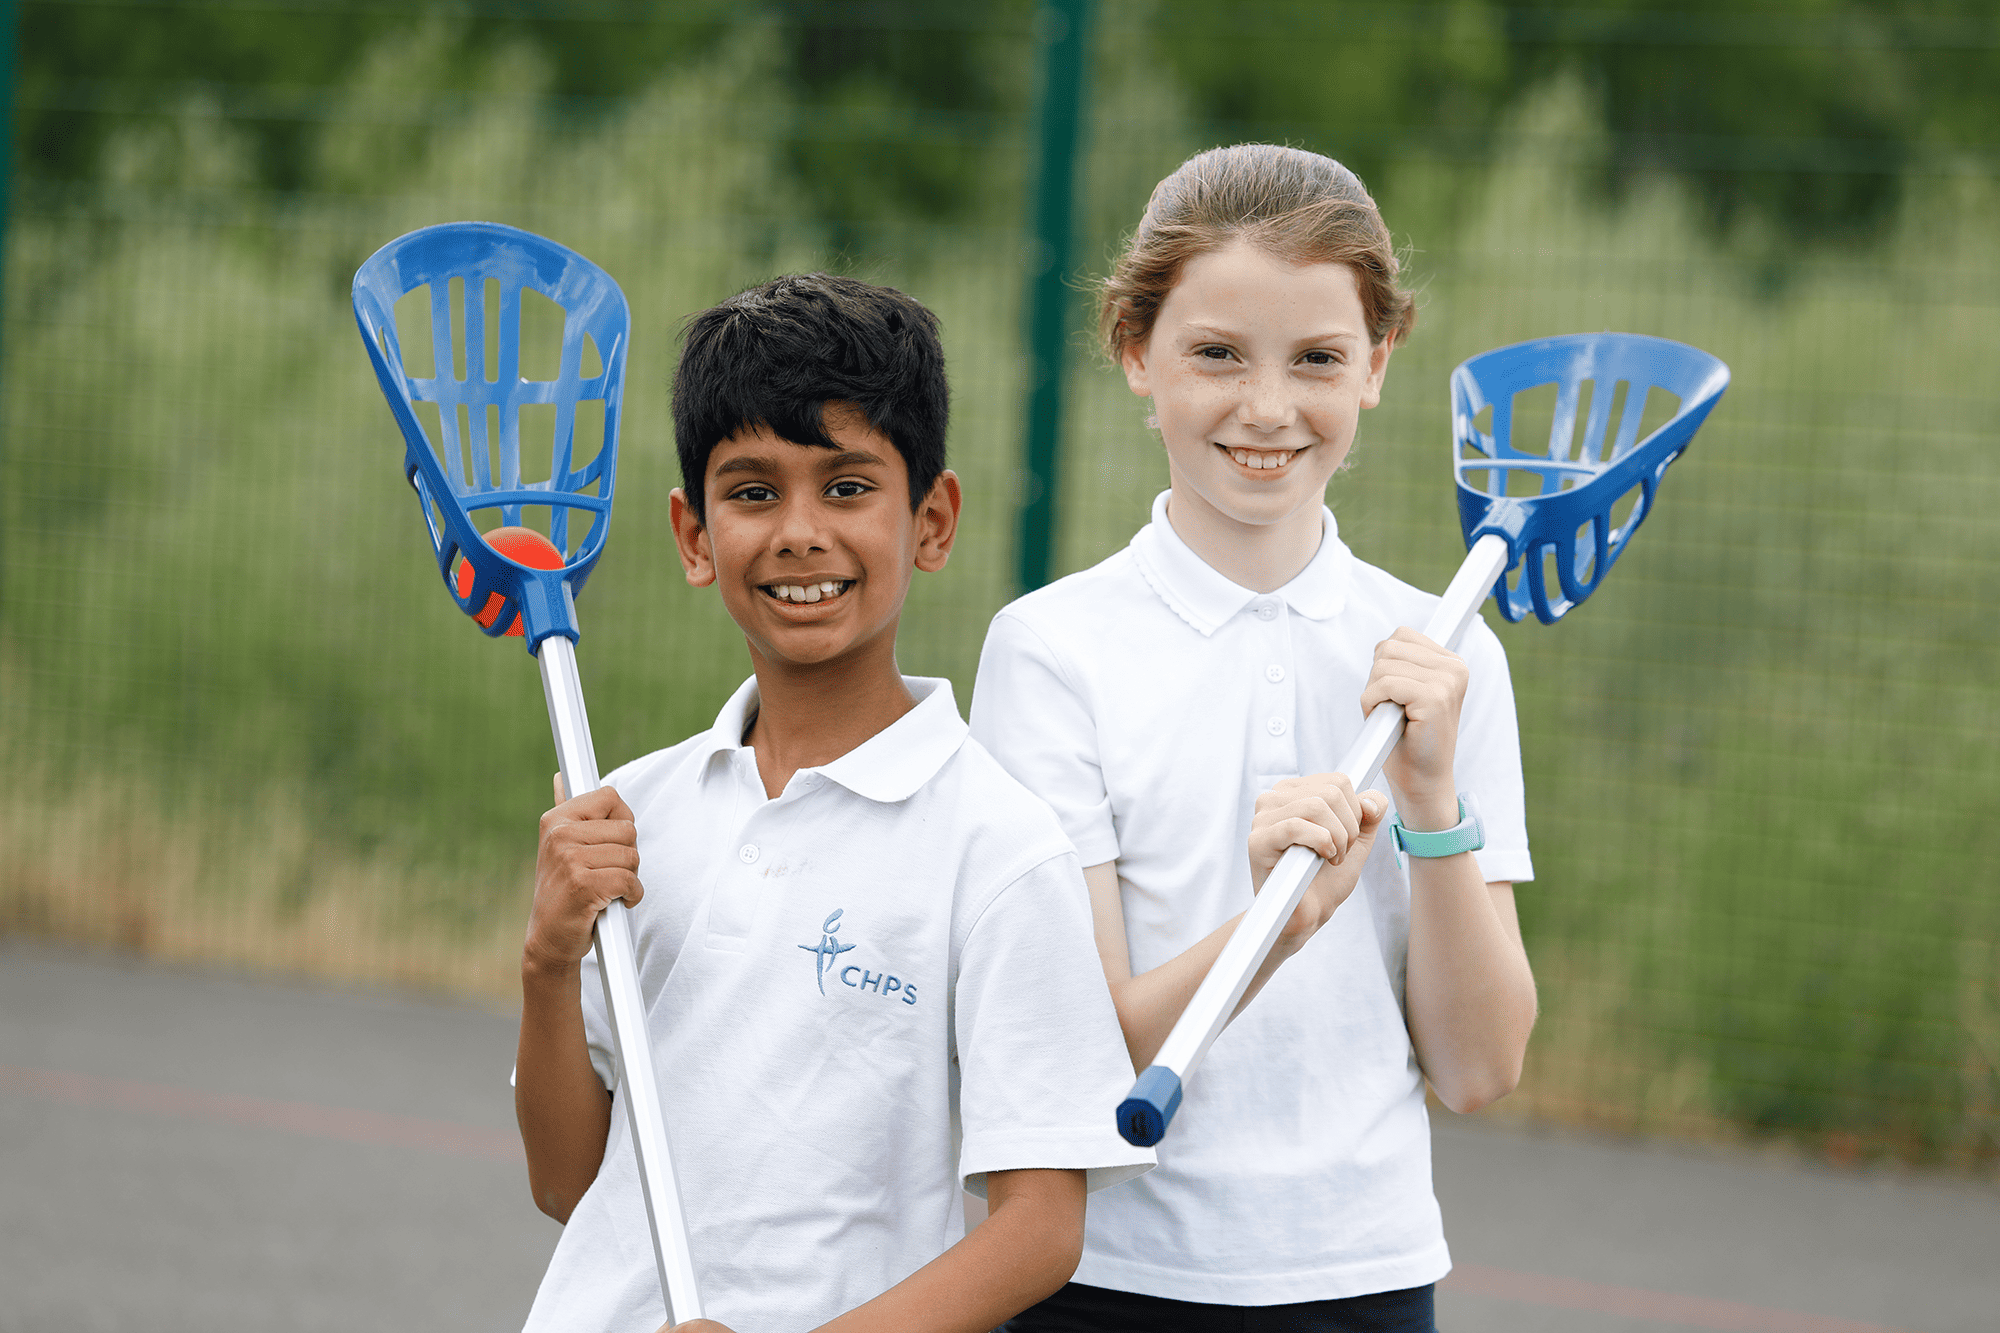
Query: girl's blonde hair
[[1298, 206]]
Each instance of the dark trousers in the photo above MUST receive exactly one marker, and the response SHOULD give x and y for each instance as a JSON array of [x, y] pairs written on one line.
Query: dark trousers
[[1080, 1309]]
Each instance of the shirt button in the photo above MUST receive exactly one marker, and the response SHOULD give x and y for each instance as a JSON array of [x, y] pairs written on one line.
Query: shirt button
[[1274, 673], [1276, 726], [747, 852], [1267, 611]]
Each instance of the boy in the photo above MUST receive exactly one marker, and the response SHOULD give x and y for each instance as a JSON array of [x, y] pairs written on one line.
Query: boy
[[866, 950]]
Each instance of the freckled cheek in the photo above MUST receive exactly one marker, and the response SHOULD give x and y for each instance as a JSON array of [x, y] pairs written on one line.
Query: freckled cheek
[[1193, 408]]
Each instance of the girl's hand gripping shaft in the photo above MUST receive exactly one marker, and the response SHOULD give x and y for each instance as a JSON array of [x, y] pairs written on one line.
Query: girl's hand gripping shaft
[[1144, 1114], [616, 964]]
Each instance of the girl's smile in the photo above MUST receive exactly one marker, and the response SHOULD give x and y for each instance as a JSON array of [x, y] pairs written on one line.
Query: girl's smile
[[1258, 370], [1266, 461]]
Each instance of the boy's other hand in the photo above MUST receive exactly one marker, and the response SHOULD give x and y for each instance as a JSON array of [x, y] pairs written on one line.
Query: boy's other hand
[[1429, 682], [1323, 814], [588, 856]]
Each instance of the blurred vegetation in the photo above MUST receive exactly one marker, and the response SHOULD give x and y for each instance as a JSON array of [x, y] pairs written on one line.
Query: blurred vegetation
[[239, 720], [1807, 116]]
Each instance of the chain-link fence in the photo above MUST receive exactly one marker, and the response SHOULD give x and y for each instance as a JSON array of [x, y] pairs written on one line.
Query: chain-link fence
[[239, 719]]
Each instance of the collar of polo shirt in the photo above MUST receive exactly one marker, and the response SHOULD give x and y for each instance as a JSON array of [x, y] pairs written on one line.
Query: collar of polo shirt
[[890, 765], [1205, 598]]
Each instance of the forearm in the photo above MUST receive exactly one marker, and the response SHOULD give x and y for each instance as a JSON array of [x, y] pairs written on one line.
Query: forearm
[[561, 1105], [1025, 1250], [1151, 1003], [1469, 991]]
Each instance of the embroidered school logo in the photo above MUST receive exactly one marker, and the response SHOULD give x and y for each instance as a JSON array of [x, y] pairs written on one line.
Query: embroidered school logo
[[828, 948]]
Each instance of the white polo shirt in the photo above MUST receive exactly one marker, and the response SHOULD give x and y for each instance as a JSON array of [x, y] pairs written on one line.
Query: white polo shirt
[[860, 994], [1150, 700]]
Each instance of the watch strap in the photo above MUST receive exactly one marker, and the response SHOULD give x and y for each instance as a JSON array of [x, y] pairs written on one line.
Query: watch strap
[[1467, 835]]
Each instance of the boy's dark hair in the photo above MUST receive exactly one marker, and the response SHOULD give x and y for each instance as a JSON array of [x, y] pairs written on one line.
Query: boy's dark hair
[[777, 354]]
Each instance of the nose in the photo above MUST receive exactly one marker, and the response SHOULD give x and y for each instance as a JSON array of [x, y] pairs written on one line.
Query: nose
[[801, 527], [1267, 403]]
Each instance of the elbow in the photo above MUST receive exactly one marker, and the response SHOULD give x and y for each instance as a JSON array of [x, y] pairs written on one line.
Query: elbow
[[1063, 1253], [1052, 1249], [552, 1201], [1479, 1089]]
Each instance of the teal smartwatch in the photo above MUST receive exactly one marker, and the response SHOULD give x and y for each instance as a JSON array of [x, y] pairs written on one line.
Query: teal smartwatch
[[1467, 835]]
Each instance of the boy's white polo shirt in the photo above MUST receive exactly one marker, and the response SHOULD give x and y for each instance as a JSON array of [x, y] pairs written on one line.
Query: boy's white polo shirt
[[860, 994], [1150, 700]]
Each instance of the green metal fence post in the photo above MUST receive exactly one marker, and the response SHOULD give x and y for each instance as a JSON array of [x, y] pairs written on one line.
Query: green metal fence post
[[1062, 29], [9, 14]]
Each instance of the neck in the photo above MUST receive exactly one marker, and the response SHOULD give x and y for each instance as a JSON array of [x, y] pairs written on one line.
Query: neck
[[812, 714], [1262, 557]]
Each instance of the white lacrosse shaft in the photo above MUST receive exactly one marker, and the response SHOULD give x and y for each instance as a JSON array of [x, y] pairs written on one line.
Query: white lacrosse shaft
[[1144, 1115], [622, 1000]]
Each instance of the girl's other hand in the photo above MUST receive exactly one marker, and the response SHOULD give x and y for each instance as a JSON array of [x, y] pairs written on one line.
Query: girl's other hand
[[1323, 814], [1429, 682]]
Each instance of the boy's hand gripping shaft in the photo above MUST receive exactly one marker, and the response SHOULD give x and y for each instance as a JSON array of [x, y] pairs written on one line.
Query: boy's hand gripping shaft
[[1143, 1116], [622, 1000]]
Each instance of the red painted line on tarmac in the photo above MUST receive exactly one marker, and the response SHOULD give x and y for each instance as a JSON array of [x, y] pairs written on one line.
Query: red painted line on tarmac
[[321, 1122], [1661, 1307]]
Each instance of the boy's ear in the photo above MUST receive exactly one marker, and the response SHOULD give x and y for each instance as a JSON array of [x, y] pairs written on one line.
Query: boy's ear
[[937, 522], [691, 540], [1378, 370]]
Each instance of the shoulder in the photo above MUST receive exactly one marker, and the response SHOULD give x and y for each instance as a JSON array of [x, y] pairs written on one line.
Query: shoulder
[[644, 780], [1375, 592], [1058, 611], [1095, 621], [1002, 829]]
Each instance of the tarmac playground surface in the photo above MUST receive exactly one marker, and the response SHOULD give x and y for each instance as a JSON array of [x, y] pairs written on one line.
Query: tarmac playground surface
[[196, 1150]]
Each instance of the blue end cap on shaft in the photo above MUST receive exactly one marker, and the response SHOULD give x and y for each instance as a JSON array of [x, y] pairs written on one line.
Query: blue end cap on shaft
[[1143, 1116]]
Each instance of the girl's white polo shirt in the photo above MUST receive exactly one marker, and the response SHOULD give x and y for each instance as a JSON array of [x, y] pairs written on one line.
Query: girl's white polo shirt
[[1149, 700], [875, 987]]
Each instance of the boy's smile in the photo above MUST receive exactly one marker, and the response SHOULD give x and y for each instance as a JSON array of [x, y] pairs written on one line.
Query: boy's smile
[[813, 548]]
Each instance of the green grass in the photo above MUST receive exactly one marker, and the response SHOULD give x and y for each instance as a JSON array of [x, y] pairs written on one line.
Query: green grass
[[240, 719]]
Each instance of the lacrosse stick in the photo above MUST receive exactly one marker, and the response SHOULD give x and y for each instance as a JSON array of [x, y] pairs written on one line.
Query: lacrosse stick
[[1547, 512], [528, 585]]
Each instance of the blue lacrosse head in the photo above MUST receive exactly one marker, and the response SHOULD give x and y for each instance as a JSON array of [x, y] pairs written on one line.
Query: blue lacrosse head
[[476, 272], [1557, 501]]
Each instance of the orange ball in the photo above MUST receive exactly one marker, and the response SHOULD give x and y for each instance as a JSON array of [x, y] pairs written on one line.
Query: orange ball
[[524, 546]]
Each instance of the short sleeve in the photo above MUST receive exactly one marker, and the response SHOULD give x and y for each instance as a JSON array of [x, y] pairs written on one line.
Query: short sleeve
[[1028, 713], [1488, 761], [1042, 1062]]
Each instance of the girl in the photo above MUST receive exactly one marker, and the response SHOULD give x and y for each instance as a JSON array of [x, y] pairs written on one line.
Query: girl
[[1165, 704]]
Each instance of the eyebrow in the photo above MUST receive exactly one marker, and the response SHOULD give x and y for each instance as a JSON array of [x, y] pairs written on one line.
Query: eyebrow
[[766, 463], [1221, 334]]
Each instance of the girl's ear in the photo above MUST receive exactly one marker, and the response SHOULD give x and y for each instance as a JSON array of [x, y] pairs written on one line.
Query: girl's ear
[[937, 522], [1132, 356], [691, 540], [1378, 370]]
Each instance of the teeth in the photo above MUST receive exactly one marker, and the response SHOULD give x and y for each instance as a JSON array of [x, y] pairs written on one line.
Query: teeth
[[1262, 459], [806, 594]]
